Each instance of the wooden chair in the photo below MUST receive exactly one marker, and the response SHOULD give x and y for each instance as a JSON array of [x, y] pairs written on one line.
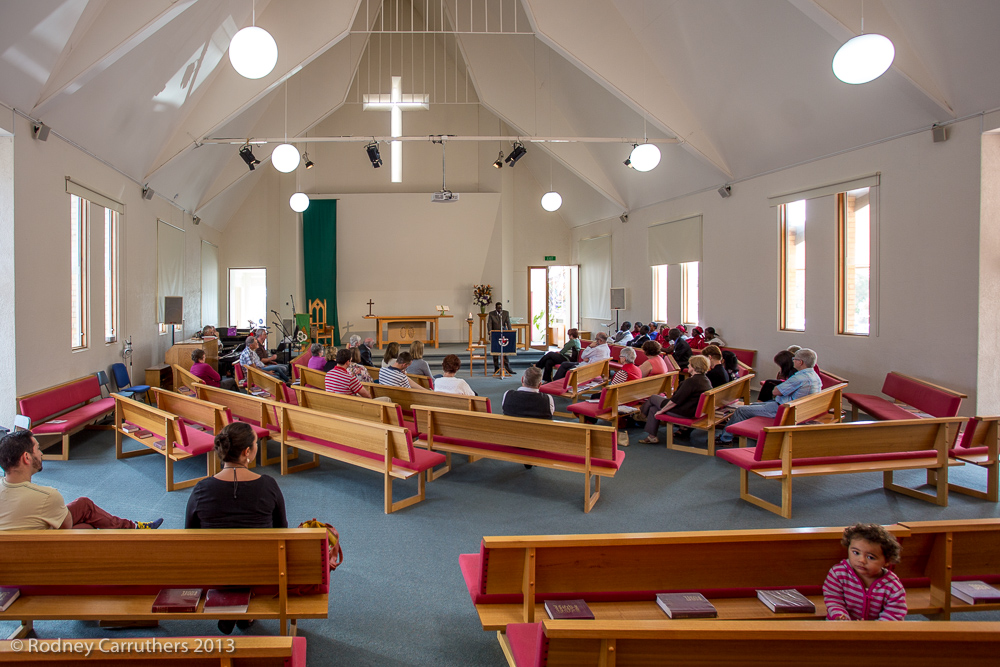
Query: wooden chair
[[317, 322], [477, 352]]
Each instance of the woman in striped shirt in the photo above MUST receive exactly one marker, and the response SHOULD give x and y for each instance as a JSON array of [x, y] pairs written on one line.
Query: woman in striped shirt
[[860, 587]]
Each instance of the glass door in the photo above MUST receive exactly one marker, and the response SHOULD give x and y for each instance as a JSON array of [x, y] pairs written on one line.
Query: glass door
[[538, 300], [553, 303]]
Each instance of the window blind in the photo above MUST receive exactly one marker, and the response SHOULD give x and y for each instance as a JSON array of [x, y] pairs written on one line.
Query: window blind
[[595, 277], [82, 191], [209, 284], [675, 242], [169, 264], [822, 191]]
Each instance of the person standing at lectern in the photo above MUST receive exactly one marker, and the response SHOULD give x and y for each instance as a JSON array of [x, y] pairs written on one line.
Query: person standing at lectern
[[499, 320]]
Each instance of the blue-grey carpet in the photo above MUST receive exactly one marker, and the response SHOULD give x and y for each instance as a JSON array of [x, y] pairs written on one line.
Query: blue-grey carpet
[[399, 598]]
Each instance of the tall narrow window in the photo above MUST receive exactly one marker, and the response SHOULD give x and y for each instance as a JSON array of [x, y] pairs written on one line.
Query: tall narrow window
[[79, 233], [660, 293], [854, 261], [689, 293], [247, 297], [792, 223], [110, 276]]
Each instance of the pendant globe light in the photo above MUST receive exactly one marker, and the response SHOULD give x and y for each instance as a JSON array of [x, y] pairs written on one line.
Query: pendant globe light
[[863, 58], [252, 51], [299, 202], [551, 201], [285, 157], [644, 157]]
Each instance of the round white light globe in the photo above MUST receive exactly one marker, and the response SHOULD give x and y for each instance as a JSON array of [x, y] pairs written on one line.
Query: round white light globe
[[285, 158], [863, 58], [299, 202], [644, 157], [551, 201], [253, 52]]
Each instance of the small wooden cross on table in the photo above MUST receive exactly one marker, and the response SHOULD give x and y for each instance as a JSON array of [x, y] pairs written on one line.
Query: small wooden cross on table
[[370, 304]]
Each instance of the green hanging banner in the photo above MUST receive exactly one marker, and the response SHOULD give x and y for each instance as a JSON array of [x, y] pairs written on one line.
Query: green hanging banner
[[319, 253]]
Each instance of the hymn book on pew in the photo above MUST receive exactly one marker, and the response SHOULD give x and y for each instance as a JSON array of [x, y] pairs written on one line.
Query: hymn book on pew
[[786, 601], [227, 600], [571, 609], [8, 595], [974, 592], [686, 605], [177, 601]]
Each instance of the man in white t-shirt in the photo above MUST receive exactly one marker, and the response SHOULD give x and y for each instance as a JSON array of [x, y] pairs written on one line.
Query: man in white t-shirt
[[28, 506]]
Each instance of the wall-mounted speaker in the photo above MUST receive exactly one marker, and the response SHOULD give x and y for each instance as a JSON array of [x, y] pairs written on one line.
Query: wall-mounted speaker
[[617, 298], [40, 131], [940, 133], [147, 192], [726, 191], [173, 310]]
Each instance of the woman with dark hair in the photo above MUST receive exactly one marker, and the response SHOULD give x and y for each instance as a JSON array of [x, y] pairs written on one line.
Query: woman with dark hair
[[236, 497], [391, 352], [450, 384], [716, 374], [568, 352], [785, 370], [203, 371], [654, 364], [731, 364], [356, 368]]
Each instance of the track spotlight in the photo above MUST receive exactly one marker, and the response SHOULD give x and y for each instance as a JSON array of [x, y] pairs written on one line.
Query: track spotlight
[[247, 154], [305, 158], [499, 162], [373, 155], [516, 153], [623, 217], [40, 131]]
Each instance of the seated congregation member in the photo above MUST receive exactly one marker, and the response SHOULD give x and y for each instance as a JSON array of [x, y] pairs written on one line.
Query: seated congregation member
[[623, 335], [418, 366], [526, 400], [366, 351], [679, 348], [785, 369], [860, 588], [209, 332], [394, 375], [329, 358], [552, 359], [248, 357], [340, 380], [596, 352], [636, 328], [641, 338], [203, 371], [732, 364], [450, 384], [236, 497], [712, 337], [356, 368], [684, 402], [717, 374], [317, 360], [802, 383], [354, 341], [25, 505], [628, 371], [654, 364], [391, 352]]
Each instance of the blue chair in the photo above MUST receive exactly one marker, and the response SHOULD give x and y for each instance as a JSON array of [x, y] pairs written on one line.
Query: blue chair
[[125, 384]]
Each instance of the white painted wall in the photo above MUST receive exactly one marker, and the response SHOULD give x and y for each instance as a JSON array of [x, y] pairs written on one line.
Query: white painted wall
[[928, 262], [989, 278], [41, 255], [8, 328]]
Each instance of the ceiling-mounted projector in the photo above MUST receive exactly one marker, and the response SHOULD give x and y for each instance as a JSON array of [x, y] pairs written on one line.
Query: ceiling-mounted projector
[[443, 197]]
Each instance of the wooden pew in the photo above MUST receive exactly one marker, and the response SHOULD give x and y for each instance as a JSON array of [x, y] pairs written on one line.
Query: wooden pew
[[626, 643], [911, 398], [407, 398], [978, 445], [128, 567], [780, 453], [212, 651], [619, 574], [421, 380], [184, 380], [312, 377], [379, 447], [823, 407], [171, 437], [581, 380], [259, 412], [711, 411], [272, 387], [77, 404], [355, 407], [528, 441], [627, 393]]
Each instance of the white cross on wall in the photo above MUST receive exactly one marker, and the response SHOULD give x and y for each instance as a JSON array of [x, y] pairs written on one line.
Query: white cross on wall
[[396, 102]]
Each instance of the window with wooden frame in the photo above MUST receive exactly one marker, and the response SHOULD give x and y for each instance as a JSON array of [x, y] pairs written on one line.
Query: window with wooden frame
[[854, 262], [792, 255], [111, 285], [79, 285], [689, 293], [659, 308]]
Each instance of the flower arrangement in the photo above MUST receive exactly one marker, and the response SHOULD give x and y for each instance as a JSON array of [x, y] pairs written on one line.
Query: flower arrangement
[[482, 296]]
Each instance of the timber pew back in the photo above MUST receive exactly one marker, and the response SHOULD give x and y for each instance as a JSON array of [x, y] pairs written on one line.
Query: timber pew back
[[312, 377], [619, 574], [910, 397], [626, 393], [583, 448], [184, 380], [259, 381], [823, 406], [373, 446], [421, 380], [407, 398], [161, 652], [626, 643], [116, 574], [170, 437], [978, 445], [832, 449], [260, 413], [711, 412], [355, 407], [76, 404]]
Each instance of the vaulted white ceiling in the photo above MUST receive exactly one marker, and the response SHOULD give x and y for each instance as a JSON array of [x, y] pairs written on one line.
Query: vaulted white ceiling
[[745, 87]]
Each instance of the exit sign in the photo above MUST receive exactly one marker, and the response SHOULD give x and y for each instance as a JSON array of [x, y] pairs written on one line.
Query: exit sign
[[550, 258]]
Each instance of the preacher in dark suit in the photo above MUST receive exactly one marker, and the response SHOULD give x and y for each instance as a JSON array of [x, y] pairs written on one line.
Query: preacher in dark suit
[[499, 320]]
